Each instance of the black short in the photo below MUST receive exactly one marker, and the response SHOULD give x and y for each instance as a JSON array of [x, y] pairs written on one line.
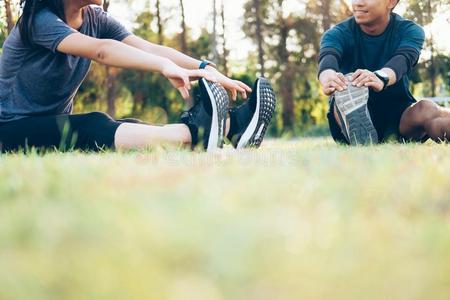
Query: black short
[[385, 115], [88, 132]]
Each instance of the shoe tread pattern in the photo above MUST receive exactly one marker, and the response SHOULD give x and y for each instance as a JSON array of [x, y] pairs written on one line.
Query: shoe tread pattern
[[353, 110], [222, 103], [266, 111]]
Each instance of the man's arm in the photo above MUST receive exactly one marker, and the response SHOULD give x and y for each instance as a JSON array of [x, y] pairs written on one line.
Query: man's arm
[[404, 59], [329, 59], [408, 52], [403, 62], [331, 48]]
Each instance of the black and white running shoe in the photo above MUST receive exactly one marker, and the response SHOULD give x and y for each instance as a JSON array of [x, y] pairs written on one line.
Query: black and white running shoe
[[354, 115], [207, 118], [249, 121]]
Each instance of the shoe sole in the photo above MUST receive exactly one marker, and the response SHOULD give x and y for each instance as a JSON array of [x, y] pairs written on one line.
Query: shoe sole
[[265, 108], [354, 114], [219, 103]]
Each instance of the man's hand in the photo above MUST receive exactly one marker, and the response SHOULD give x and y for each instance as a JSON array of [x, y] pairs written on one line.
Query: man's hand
[[366, 78], [332, 81], [234, 86]]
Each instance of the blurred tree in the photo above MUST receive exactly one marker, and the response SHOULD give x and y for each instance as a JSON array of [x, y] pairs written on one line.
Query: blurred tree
[[225, 51], [110, 80], [288, 44], [215, 55], [183, 35], [201, 46], [423, 12], [144, 21], [9, 16], [159, 23], [328, 12], [255, 13], [3, 30]]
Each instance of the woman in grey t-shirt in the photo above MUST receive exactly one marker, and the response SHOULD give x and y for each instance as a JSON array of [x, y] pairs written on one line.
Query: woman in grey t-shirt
[[48, 54]]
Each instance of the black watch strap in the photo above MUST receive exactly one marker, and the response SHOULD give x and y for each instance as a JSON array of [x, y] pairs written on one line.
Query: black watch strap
[[384, 79]]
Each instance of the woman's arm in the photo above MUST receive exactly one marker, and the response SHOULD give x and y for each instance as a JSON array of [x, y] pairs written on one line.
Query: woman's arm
[[177, 57], [187, 62], [117, 54], [111, 53]]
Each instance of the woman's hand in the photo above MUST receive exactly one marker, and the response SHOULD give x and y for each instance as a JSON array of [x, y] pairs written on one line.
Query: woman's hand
[[234, 86], [181, 78]]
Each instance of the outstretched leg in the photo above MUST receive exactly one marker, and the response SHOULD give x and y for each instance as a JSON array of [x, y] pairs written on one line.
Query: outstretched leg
[[90, 132]]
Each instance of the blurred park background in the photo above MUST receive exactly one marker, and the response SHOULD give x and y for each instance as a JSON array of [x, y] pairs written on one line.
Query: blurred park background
[[247, 38]]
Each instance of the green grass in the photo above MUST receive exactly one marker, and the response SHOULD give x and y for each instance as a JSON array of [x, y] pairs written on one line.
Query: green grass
[[295, 220]]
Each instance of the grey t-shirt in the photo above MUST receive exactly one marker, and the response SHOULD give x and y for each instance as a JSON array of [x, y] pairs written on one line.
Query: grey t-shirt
[[40, 80]]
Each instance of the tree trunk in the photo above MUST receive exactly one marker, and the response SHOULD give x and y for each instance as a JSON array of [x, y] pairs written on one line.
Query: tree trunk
[[110, 81], [432, 69], [138, 103], [159, 21], [111, 92], [226, 52], [9, 16], [259, 36], [287, 73], [287, 94], [183, 37], [326, 15], [214, 34]]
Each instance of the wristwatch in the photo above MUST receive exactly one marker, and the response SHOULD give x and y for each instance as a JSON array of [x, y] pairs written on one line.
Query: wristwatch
[[383, 77], [206, 63]]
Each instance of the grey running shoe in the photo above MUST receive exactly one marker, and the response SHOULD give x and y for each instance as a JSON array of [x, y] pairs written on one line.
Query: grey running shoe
[[354, 115]]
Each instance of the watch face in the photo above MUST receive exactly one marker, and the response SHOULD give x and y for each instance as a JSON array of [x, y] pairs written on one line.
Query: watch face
[[382, 74]]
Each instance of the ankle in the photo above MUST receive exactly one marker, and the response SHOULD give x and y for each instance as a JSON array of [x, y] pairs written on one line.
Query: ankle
[[186, 134], [232, 125]]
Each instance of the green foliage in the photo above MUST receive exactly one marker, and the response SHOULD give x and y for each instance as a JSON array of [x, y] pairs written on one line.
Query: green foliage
[[420, 77], [201, 47], [434, 71], [423, 11], [3, 29]]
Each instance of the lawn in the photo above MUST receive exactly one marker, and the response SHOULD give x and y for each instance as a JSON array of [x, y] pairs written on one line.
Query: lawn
[[299, 219]]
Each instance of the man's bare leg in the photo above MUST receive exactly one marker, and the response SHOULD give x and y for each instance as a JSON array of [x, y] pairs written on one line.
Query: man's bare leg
[[426, 118]]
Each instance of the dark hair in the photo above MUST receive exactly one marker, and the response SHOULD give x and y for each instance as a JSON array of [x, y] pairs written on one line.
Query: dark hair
[[29, 10]]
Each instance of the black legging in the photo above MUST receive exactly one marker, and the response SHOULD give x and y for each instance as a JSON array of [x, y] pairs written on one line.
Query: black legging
[[88, 132]]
